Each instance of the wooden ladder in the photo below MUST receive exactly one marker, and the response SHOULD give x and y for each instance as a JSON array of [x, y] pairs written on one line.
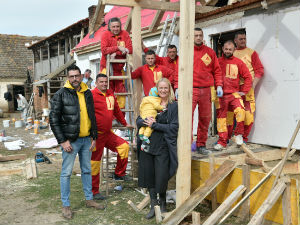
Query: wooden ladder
[[129, 110]]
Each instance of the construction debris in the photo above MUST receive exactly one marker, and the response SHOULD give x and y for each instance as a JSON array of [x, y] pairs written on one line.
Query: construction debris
[[48, 143], [14, 145]]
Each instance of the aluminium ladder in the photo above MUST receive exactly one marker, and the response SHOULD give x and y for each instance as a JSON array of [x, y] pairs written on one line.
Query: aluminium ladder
[[169, 35]]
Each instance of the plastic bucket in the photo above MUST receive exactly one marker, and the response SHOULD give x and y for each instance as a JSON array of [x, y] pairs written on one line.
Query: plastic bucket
[[6, 123], [18, 123]]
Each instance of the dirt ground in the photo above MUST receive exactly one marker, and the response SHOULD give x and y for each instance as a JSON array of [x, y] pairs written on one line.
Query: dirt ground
[[37, 201]]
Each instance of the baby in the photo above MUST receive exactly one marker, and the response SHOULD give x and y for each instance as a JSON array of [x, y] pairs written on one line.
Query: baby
[[148, 108]]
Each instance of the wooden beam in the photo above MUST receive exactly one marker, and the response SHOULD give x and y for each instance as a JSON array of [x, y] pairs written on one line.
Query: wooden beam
[[287, 153], [143, 203], [98, 17], [286, 204], [244, 213], [12, 157], [127, 25], [156, 21], [133, 206], [200, 193], [158, 217], [249, 193], [137, 56], [212, 165], [196, 219], [200, 173], [221, 210], [8, 172], [186, 51], [268, 203], [156, 5], [291, 168], [30, 168]]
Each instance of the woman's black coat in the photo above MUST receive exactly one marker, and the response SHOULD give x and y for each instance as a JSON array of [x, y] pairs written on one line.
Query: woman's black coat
[[170, 131]]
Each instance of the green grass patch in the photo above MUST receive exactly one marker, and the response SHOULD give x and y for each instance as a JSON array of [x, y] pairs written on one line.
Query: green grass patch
[[45, 192]]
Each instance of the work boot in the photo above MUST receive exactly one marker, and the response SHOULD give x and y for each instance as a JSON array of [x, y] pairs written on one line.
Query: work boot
[[219, 147], [202, 150], [153, 203], [66, 212], [163, 202], [98, 196], [122, 178], [239, 139], [93, 204]]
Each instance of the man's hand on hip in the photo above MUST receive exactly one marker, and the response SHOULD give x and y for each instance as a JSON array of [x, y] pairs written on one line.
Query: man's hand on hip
[[67, 147]]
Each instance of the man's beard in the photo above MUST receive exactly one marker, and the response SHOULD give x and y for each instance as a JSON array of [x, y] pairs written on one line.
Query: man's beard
[[228, 56], [75, 85]]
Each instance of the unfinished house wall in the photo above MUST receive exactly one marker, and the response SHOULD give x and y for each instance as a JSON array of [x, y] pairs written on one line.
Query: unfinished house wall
[[90, 60], [275, 35]]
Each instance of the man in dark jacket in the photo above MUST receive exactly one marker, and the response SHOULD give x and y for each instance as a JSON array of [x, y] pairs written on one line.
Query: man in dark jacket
[[73, 122]]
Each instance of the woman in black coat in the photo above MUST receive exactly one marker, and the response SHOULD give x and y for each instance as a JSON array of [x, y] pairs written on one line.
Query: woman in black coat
[[159, 163]]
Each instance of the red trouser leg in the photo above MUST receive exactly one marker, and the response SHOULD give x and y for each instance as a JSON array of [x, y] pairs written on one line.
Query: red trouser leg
[[202, 98], [249, 117], [119, 145], [230, 121], [96, 160], [221, 119], [239, 112]]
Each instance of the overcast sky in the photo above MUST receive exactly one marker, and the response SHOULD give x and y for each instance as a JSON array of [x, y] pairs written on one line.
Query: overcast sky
[[41, 17]]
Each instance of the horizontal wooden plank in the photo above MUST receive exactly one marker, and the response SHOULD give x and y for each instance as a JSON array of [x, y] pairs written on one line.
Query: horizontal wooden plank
[[12, 157]]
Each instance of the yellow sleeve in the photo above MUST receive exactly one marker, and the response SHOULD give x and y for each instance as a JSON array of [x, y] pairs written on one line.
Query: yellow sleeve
[[157, 105]]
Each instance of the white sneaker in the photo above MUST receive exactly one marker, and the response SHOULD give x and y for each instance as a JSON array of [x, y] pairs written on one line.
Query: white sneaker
[[239, 139], [219, 147]]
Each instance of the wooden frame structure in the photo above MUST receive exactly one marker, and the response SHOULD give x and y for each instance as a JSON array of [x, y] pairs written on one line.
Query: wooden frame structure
[[188, 9]]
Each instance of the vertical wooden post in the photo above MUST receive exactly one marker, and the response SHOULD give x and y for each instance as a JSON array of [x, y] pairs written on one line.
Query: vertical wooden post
[[58, 50], [286, 204], [66, 50], [185, 75], [49, 62], [137, 55], [196, 218], [244, 212], [214, 192]]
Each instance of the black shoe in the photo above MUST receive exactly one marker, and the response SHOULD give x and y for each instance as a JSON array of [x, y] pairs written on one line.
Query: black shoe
[[151, 213], [124, 178], [202, 150], [163, 203], [98, 196]]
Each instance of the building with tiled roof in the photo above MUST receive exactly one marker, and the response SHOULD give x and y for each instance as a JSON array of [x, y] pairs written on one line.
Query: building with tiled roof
[[15, 67], [51, 56]]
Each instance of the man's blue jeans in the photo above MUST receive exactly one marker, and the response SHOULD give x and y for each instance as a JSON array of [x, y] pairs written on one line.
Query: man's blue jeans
[[82, 147]]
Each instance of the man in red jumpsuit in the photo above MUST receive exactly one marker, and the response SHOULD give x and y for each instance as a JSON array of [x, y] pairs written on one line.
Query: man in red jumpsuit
[[233, 69], [206, 74], [171, 61], [106, 108], [151, 72], [117, 43], [252, 61]]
